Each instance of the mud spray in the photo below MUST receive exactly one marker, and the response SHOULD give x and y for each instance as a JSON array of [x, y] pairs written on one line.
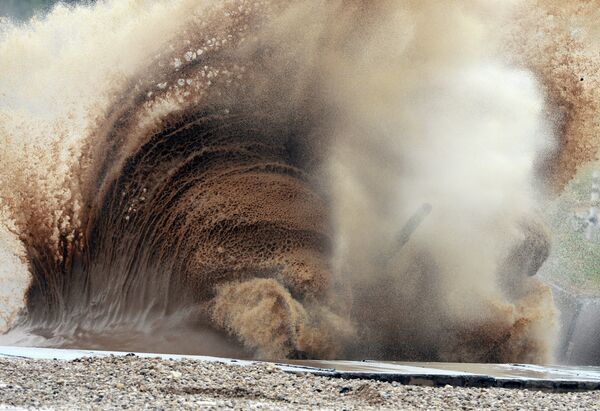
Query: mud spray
[[224, 177]]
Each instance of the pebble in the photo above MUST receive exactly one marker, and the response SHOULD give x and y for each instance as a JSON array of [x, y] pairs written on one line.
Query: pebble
[[136, 383]]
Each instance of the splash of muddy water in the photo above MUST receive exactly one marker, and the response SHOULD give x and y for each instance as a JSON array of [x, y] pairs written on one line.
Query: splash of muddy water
[[221, 178]]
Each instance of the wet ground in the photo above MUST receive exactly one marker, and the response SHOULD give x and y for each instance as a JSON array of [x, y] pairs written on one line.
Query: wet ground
[[132, 382], [550, 378]]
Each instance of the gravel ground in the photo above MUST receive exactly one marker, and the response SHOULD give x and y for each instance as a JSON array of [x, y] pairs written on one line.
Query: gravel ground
[[155, 384]]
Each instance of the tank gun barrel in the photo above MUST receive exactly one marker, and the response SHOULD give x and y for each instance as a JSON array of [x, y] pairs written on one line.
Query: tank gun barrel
[[406, 232]]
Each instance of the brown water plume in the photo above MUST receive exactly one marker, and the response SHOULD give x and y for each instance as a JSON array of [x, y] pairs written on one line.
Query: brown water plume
[[558, 42], [228, 174]]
